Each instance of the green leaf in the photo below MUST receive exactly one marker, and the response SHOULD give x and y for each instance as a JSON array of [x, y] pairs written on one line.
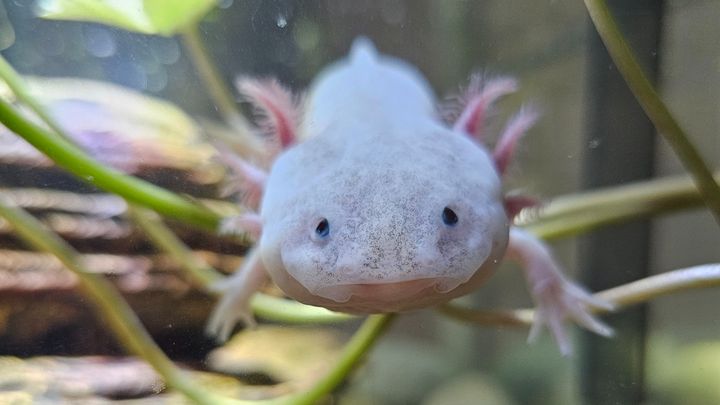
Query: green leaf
[[169, 16], [160, 17]]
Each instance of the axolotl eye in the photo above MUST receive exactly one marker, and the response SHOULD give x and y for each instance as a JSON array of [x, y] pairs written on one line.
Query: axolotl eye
[[323, 228], [449, 217]]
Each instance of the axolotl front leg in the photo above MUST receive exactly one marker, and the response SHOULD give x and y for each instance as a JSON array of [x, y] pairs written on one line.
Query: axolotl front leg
[[556, 298], [237, 291], [275, 105]]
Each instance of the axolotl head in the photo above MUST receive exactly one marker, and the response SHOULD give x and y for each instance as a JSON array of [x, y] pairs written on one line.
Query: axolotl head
[[383, 208]]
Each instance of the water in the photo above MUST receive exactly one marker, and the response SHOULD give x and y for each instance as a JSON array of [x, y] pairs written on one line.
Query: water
[[591, 134]]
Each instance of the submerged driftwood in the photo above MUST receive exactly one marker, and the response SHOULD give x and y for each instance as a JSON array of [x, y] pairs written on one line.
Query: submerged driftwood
[[41, 309]]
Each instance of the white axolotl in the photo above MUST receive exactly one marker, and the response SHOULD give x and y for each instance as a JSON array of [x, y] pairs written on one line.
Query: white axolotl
[[383, 207]]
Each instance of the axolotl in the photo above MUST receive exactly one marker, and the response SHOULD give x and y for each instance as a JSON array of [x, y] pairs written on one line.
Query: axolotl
[[375, 204]]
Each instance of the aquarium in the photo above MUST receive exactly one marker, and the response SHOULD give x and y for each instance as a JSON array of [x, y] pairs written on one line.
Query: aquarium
[[359, 202]]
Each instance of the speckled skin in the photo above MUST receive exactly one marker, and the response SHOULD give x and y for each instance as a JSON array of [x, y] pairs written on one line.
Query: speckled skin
[[380, 170]]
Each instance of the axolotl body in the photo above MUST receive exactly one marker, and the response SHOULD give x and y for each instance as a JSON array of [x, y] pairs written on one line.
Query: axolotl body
[[374, 204]]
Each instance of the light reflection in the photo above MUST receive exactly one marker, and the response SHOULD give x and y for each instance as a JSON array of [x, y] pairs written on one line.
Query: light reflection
[[166, 50], [157, 81], [7, 33], [224, 4], [99, 42]]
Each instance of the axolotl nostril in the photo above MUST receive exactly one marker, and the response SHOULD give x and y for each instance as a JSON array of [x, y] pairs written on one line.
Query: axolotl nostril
[[374, 204]]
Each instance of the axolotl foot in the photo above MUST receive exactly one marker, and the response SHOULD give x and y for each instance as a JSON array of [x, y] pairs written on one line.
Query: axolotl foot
[[237, 291], [556, 298]]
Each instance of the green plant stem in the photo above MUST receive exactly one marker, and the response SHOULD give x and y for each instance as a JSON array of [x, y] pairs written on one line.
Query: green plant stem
[[359, 344], [288, 311], [577, 213], [267, 307], [21, 91], [355, 349], [197, 271], [111, 307], [643, 290], [210, 76], [489, 317], [73, 159], [650, 101], [649, 288]]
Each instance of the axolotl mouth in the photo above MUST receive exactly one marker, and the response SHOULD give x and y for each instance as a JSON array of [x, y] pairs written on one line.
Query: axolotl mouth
[[392, 296], [387, 290]]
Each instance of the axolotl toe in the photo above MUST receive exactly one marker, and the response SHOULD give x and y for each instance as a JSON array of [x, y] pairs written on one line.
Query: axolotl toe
[[374, 204]]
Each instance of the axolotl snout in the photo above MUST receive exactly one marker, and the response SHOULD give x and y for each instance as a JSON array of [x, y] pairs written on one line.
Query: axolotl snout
[[374, 204]]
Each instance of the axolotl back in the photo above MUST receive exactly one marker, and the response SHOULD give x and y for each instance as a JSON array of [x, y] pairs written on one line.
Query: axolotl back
[[375, 204]]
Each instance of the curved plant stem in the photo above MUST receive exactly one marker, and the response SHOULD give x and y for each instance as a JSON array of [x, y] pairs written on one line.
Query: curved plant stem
[[265, 306], [646, 289], [73, 159], [643, 290], [355, 349], [577, 213], [288, 311], [222, 98], [359, 344], [108, 303], [197, 271], [489, 317], [655, 109], [21, 91]]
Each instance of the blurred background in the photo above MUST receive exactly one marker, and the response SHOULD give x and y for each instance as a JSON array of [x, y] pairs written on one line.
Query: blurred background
[[591, 134]]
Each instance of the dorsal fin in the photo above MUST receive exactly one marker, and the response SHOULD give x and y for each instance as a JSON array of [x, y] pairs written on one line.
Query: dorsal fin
[[368, 87], [363, 52]]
